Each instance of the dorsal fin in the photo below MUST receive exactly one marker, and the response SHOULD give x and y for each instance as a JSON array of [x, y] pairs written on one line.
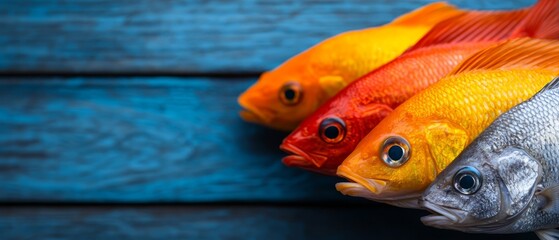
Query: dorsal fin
[[429, 14], [523, 53], [541, 22], [473, 26]]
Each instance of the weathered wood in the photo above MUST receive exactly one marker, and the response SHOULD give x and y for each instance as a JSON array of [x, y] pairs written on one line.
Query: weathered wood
[[181, 37], [233, 222], [145, 139]]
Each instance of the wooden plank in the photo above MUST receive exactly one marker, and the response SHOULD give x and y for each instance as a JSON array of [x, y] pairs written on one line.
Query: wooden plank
[[146, 139], [234, 222], [181, 37]]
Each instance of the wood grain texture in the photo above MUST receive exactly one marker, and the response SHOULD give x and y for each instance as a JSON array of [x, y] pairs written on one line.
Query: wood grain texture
[[226, 222], [151, 139], [182, 37]]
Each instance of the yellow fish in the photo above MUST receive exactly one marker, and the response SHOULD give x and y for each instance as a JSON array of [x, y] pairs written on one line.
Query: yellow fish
[[404, 153], [283, 97]]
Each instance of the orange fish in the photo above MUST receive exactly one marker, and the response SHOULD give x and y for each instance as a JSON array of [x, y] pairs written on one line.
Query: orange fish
[[400, 157], [283, 97], [329, 135]]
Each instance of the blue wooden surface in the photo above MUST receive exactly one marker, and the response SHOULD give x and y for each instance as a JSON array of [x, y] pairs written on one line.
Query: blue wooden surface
[[184, 37], [231, 222], [142, 139], [72, 147]]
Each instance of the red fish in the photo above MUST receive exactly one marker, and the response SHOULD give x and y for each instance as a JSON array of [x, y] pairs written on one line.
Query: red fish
[[328, 136]]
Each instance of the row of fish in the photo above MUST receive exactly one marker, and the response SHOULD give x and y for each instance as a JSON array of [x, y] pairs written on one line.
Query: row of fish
[[411, 113]]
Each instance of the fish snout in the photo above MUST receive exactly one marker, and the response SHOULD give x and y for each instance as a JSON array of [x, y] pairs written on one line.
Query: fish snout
[[299, 158], [254, 110], [356, 188], [442, 217]]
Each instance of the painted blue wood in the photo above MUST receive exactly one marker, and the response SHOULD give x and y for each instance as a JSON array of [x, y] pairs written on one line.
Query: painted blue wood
[[226, 222], [151, 139], [182, 37]]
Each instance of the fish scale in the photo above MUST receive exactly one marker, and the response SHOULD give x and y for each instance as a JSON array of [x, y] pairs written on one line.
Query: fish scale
[[532, 127], [387, 80], [385, 89], [459, 95], [357, 109], [327, 67], [466, 101]]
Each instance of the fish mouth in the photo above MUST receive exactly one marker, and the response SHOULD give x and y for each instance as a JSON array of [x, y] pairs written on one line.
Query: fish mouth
[[360, 187], [375, 190], [250, 116], [443, 217], [457, 219], [299, 158], [253, 113]]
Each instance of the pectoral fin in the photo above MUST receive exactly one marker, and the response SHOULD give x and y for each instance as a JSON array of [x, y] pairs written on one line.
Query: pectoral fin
[[548, 234], [445, 143], [332, 84], [550, 199]]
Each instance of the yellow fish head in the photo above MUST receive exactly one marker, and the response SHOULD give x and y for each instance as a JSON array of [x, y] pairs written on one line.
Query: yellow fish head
[[396, 161]]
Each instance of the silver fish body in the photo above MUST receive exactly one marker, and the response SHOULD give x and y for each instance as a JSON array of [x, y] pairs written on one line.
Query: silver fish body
[[506, 180]]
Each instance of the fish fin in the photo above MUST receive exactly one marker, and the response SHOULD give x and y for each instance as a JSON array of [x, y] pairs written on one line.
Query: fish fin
[[332, 84], [429, 14], [547, 234], [551, 198], [474, 26], [521, 53], [541, 22], [444, 151]]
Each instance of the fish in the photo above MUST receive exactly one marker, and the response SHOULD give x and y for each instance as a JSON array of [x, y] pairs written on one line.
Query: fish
[[329, 135], [284, 96], [403, 154], [506, 180]]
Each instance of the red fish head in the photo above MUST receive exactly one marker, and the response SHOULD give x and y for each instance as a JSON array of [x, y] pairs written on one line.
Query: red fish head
[[326, 138]]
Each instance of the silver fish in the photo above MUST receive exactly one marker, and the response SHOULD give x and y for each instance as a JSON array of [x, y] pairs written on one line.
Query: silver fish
[[507, 180]]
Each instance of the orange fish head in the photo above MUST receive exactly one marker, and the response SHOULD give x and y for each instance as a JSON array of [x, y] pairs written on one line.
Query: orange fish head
[[329, 135], [279, 100], [392, 164]]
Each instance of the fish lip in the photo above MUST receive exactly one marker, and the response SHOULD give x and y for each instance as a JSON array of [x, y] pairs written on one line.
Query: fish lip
[[296, 161], [443, 217], [250, 116], [300, 158], [355, 190], [374, 189], [375, 186], [252, 113]]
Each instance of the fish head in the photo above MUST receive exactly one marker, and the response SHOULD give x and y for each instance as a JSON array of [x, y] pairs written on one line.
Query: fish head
[[483, 190], [391, 164], [323, 140], [281, 98]]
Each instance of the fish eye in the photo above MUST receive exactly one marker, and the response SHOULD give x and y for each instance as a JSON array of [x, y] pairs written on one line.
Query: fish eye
[[467, 180], [332, 130], [291, 93], [395, 151]]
